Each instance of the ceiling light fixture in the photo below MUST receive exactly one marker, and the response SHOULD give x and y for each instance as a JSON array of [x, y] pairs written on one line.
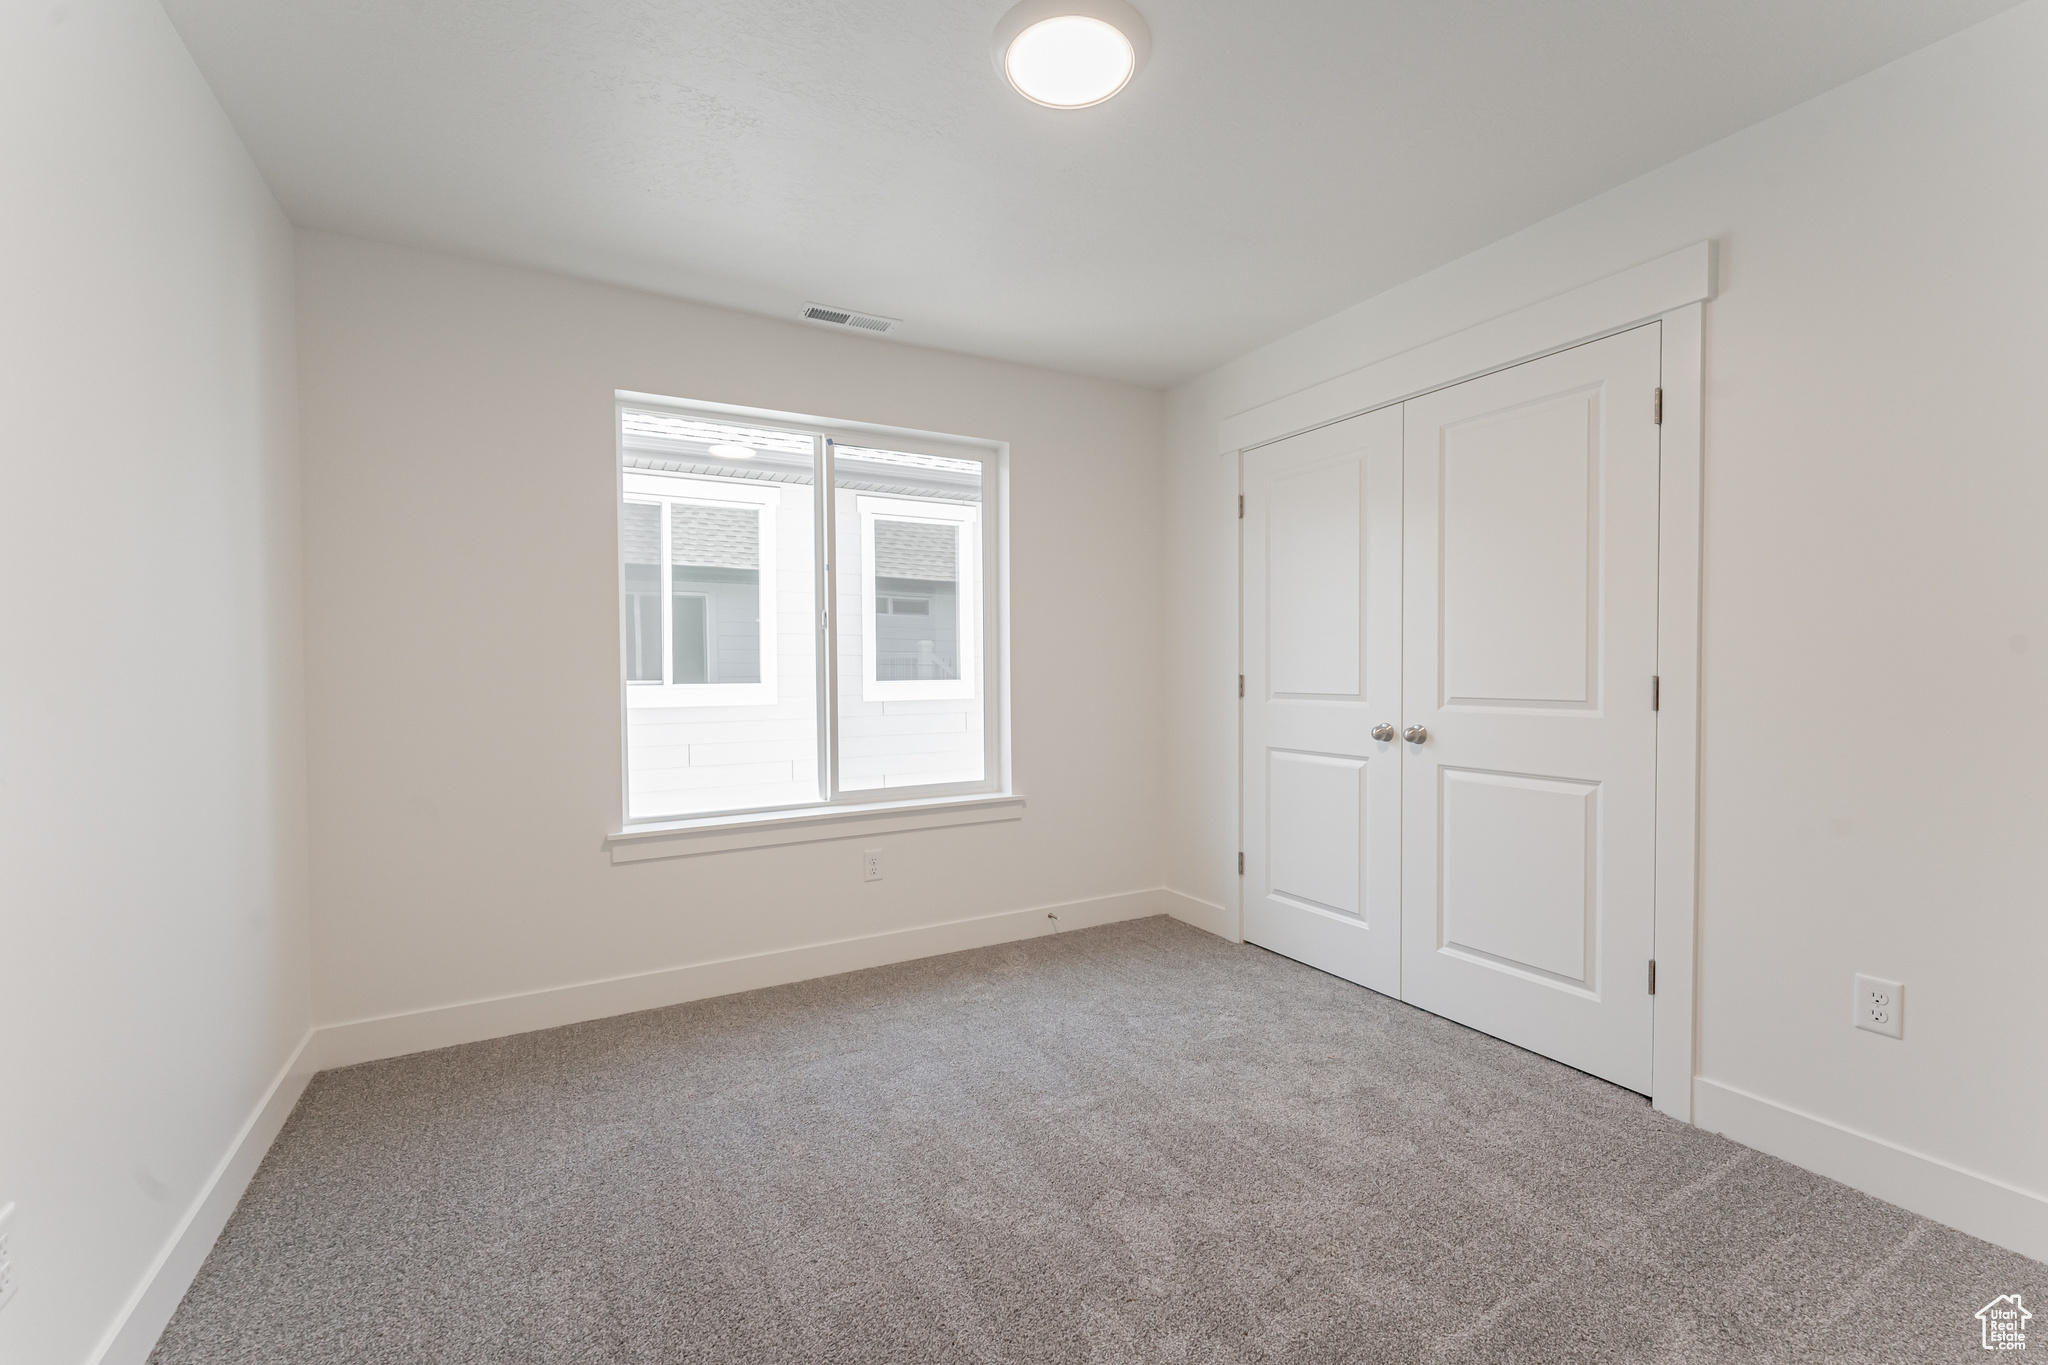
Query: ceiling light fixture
[[733, 452], [1070, 54]]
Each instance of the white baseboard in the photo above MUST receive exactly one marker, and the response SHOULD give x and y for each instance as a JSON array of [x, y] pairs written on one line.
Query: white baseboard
[[1216, 919], [143, 1318], [2001, 1214], [148, 1311], [394, 1035]]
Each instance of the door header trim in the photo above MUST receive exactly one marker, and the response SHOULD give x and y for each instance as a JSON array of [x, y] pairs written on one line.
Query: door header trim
[[1628, 299]]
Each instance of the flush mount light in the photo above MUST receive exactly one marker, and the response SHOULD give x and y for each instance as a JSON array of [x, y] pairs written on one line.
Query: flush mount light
[[1070, 54], [733, 452]]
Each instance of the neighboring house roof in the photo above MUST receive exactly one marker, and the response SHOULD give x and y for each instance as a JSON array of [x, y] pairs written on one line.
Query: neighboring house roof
[[705, 537], [915, 549], [642, 530], [715, 537]]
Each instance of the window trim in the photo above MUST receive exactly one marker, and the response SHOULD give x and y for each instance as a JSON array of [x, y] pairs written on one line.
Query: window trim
[[870, 507], [660, 489], [992, 565], [683, 838]]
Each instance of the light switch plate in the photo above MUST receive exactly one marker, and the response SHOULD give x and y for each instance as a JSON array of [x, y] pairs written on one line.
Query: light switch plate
[[1880, 1006]]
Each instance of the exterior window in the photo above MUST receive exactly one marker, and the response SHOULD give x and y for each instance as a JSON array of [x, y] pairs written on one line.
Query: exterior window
[[715, 578], [714, 541], [728, 663], [918, 582], [912, 700]]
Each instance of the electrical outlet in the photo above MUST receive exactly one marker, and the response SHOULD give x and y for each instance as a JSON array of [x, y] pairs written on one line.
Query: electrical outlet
[[6, 1255], [1880, 1006], [871, 865]]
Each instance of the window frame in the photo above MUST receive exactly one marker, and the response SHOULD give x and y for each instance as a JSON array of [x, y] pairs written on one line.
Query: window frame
[[966, 521], [988, 558], [766, 501]]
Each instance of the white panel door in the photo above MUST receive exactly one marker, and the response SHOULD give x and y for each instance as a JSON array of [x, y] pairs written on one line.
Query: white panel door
[[1530, 642], [1322, 633]]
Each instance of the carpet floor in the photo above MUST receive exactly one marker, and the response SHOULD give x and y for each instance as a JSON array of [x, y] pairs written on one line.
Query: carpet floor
[[1131, 1143]]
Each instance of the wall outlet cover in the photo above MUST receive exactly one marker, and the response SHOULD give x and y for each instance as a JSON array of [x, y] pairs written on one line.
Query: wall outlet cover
[[1880, 1006], [871, 864]]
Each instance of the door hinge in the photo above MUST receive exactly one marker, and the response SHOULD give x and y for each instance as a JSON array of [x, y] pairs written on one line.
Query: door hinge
[[1653, 976], [1240, 684], [1240, 864], [1656, 691], [1657, 408], [1240, 507]]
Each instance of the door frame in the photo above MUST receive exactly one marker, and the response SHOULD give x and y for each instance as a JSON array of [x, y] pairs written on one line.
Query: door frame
[[1672, 289]]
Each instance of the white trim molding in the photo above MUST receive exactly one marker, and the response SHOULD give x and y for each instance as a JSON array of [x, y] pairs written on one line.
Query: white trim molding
[[1674, 1008], [1621, 301], [395, 1035], [2001, 1214], [142, 1319], [964, 520], [806, 825]]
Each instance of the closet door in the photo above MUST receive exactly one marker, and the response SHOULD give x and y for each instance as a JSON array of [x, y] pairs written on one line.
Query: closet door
[[1530, 644], [1322, 648]]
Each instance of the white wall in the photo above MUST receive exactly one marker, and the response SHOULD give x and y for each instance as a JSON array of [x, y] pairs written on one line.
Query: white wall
[[153, 968], [463, 690], [1875, 598]]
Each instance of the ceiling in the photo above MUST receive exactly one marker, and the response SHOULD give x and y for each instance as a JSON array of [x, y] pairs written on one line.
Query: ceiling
[[1275, 161]]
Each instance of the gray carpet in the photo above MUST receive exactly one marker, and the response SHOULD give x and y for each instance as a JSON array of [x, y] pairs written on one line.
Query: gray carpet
[[1134, 1143]]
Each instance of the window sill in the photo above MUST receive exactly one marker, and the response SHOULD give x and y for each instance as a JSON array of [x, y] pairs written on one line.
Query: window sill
[[720, 833]]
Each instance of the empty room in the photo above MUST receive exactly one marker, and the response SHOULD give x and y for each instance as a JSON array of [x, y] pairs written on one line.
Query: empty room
[[1006, 681]]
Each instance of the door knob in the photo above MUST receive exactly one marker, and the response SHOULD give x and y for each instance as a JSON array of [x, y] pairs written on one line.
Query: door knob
[[1383, 732], [1415, 734]]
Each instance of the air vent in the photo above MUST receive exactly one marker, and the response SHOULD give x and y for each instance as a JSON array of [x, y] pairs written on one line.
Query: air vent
[[846, 317]]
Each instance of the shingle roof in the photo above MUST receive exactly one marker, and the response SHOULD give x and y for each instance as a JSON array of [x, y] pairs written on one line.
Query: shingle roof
[[642, 524], [916, 549], [715, 537]]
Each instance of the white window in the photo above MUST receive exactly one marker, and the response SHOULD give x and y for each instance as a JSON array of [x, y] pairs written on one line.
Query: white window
[[730, 667], [917, 598], [713, 544]]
